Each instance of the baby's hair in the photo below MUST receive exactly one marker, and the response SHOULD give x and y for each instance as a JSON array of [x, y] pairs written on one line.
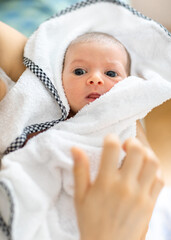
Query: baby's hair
[[102, 38]]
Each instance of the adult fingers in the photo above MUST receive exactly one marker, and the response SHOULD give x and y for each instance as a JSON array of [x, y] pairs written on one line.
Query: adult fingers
[[156, 188], [81, 172], [148, 171], [109, 159], [133, 160], [144, 233]]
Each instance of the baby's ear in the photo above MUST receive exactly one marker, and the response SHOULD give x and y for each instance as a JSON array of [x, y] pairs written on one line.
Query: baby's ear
[[3, 89]]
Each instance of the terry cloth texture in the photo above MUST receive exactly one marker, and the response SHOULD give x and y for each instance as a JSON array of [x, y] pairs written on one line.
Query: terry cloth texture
[[6, 80], [36, 190]]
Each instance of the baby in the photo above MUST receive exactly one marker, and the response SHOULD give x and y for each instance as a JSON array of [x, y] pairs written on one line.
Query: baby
[[94, 63]]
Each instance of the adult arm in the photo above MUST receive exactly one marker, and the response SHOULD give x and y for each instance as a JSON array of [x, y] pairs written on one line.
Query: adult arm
[[11, 51]]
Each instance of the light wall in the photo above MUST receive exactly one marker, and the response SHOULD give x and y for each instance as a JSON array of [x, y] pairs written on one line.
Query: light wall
[[159, 10]]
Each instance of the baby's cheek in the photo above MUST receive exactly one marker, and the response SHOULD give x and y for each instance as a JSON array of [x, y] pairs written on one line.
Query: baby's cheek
[[117, 80], [112, 83], [72, 95]]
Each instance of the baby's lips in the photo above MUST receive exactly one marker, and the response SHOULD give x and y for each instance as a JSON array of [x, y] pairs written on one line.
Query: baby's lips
[[94, 95]]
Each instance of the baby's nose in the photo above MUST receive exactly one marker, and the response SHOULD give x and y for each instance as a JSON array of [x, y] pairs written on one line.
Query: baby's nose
[[95, 80]]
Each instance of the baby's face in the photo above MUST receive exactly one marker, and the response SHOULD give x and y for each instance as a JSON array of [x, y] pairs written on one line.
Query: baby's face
[[90, 70]]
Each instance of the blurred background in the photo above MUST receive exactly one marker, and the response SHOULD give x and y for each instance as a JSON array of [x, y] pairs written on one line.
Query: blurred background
[[27, 15], [158, 121]]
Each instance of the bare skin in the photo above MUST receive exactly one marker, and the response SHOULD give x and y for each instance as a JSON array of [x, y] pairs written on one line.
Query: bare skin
[[3, 89], [119, 198], [11, 51]]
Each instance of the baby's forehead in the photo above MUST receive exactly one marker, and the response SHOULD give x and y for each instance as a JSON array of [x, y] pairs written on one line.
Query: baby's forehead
[[74, 51], [81, 49], [94, 44]]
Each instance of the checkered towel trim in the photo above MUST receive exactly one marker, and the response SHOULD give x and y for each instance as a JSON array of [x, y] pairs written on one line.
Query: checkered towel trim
[[118, 2], [6, 228], [19, 141]]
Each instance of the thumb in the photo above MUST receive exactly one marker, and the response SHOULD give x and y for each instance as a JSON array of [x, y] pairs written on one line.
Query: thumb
[[81, 172]]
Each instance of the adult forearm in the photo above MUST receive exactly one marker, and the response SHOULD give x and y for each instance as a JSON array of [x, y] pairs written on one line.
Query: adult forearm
[[11, 51]]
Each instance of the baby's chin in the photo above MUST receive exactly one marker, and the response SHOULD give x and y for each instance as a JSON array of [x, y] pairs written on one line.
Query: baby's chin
[[72, 112]]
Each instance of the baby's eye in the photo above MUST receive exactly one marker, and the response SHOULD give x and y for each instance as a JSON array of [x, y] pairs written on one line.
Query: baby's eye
[[79, 71], [111, 74]]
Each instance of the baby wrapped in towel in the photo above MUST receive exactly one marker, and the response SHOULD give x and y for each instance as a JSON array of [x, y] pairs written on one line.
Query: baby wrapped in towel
[[93, 63], [29, 174]]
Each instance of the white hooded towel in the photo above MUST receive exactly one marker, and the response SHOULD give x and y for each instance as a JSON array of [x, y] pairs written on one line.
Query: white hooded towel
[[36, 183]]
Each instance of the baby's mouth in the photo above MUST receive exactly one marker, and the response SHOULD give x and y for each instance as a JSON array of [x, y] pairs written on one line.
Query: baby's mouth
[[93, 96]]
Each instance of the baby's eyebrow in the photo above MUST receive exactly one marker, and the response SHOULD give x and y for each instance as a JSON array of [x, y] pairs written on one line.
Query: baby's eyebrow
[[78, 61], [114, 62]]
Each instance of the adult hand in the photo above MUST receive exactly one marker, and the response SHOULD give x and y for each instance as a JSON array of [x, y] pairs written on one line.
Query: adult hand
[[119, 203]]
